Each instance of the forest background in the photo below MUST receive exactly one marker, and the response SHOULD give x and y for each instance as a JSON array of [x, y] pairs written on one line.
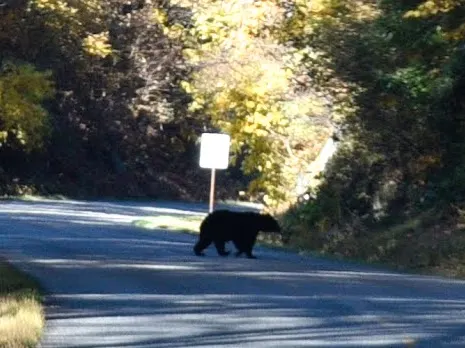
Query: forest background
[[108, 98]]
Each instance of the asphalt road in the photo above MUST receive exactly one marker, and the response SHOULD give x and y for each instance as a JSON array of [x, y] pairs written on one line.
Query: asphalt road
[[111, 284]]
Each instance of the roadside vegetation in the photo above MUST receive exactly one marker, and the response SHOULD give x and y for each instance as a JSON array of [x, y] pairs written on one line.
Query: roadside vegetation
[[21, 313], [394, 191], [431, 242]]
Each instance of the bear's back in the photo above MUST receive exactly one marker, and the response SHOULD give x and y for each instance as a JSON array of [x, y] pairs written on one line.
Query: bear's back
[[231, 222]]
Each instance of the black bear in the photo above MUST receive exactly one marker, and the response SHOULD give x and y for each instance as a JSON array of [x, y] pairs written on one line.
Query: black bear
[[241, 228]]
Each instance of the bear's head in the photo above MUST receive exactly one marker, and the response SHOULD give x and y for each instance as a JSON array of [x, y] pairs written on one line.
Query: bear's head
[[269, 224]]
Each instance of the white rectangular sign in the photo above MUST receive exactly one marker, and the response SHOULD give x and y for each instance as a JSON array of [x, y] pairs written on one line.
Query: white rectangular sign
[[214, 150]]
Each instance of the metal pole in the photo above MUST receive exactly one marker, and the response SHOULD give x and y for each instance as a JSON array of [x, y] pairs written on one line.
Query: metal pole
[[212, 190]]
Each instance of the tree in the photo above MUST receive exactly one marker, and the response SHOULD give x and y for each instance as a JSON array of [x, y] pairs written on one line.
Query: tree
[[402, 150], [23, 119], [247, 81], [118, 110]]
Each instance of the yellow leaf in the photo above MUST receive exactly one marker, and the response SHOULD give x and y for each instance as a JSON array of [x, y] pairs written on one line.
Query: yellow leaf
[[250, 128], [186, 86], [98, 44], [261, 133], [250, 104]]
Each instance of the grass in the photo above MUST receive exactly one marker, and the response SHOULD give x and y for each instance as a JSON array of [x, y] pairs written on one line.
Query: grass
[[182, 223], [430, 242], [38, 198], [21, 314], [426, 243]]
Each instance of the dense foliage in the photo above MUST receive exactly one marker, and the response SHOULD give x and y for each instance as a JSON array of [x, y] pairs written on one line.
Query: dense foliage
[[135, 83], [402, 154], [115, 122]]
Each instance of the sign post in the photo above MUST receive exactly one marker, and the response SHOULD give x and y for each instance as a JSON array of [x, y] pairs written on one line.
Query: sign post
[[212, 191], [214, 154]]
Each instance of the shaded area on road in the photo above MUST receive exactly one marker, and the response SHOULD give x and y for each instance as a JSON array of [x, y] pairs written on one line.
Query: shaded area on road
[[114, 286], [263, 312]]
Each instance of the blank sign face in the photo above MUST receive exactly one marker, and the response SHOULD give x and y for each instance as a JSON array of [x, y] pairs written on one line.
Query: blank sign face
[[214, 151]]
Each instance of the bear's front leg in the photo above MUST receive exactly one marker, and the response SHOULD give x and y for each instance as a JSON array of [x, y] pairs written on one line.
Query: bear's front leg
[[250, 255], [219, 244], [249, 244]]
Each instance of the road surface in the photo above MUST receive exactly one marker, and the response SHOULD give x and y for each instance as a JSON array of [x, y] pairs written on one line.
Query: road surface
[[111, 284]]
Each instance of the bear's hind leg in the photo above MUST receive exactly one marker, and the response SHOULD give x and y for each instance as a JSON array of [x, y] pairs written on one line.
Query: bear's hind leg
[[201, 245]]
